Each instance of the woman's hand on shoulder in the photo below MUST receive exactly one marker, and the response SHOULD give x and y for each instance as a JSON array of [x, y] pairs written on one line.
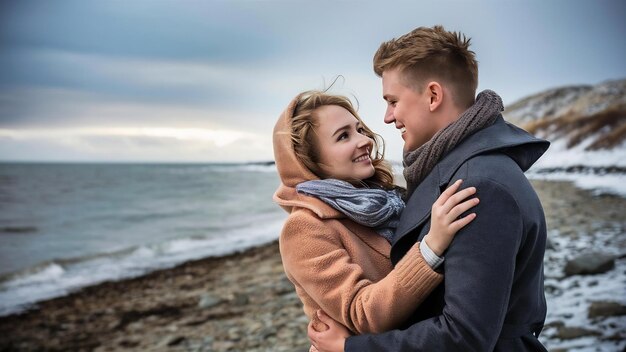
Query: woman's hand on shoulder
[[445, 219]]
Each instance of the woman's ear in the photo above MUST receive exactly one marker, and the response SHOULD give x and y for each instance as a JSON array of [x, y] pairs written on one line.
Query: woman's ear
[[435, 95]]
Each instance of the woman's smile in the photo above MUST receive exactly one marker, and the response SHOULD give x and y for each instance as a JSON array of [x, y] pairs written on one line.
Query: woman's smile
[[344, 149], [364, 157]]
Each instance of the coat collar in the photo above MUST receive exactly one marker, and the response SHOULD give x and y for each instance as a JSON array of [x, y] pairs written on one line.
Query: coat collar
[[518, 144]]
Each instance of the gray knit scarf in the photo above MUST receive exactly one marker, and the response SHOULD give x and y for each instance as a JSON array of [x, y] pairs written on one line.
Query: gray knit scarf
[[376, 208], [420, 162]]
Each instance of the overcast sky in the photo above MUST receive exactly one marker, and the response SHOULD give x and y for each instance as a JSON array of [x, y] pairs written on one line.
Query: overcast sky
[[181, 81]]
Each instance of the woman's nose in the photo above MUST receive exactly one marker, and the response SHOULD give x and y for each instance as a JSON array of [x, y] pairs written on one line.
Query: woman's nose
[[365, 141]]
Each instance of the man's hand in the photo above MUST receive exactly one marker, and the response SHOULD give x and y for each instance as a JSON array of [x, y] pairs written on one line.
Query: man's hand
[[331, 340]]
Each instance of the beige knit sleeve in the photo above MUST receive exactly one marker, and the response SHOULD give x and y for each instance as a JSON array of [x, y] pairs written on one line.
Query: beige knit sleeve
[[314, 257]]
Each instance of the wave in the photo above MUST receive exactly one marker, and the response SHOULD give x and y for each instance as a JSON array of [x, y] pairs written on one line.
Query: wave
[[22, 290], [264, 167], [18, 229], [597, 184], [260, 167]]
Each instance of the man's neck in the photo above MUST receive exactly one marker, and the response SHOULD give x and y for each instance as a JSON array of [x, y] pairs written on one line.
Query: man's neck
[[450, 116]]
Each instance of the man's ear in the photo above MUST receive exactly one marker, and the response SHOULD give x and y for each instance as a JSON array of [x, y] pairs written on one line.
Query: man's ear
[[435, 94]]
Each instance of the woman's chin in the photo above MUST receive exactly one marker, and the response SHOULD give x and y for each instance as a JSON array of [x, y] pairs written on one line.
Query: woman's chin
[[368, 174]]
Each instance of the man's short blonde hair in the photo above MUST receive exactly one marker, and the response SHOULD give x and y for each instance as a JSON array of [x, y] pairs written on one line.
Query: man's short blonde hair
[[427, 54]]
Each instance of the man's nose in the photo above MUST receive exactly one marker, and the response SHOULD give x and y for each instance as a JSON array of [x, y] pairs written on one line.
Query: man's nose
[[389, 118]]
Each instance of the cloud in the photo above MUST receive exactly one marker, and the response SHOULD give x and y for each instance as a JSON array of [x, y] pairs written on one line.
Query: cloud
[[151, 81], [214, 31], [134, 144], [234, 66]]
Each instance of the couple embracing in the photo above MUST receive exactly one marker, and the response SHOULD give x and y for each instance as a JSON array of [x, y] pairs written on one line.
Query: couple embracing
[[454, 262]]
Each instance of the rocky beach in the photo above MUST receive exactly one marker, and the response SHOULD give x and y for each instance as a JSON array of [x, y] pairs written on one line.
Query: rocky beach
[[243, 302]]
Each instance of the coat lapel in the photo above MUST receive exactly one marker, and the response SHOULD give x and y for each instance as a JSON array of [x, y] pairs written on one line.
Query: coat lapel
[[415, 214], [524, 148], [418, 207]]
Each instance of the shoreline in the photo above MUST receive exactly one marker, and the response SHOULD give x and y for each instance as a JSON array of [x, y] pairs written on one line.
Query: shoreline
[[206, 304], [151, 275], [243, 301]]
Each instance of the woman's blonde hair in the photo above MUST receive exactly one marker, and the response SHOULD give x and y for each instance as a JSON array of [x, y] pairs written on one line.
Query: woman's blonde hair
[[304, 121]]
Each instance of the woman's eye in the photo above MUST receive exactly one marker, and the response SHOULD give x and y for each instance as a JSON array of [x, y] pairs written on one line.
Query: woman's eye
[[342, 136], [361, 130]]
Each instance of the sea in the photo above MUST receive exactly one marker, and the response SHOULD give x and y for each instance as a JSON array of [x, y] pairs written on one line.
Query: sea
[[67, 226]]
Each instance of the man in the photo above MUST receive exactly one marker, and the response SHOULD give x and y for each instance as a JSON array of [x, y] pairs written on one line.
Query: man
[[492, 297]]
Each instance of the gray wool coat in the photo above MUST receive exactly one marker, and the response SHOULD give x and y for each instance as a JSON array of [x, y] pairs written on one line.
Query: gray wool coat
[[492, 297]]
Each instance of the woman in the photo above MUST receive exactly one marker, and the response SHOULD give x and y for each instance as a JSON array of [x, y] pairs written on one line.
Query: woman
[[343, 209]]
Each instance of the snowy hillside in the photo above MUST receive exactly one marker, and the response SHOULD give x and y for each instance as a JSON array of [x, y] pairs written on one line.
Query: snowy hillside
[[587, 128]]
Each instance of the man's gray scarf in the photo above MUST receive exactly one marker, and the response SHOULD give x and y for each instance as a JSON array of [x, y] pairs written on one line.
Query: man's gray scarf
[[376, 208], [420, 162]]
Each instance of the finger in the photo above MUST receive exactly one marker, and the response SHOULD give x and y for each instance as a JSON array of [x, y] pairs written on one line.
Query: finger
[[457, 198], [313, 341], [324, 317], [310, 331], [462, 208], [448, 192], [459, 224]]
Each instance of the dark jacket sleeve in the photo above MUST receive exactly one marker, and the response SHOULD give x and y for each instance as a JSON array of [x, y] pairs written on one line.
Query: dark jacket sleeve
[[479, 270]]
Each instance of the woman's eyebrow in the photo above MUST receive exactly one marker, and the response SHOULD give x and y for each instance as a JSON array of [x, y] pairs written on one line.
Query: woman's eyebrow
[[346, 127]]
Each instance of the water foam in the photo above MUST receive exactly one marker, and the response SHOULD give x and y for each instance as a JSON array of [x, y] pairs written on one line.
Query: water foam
[[22, 291]]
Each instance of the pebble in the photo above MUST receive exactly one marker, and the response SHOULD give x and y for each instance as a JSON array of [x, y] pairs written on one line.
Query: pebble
[[568, 333], [606, 309], [208, 301], [244, 302], [589, 264]]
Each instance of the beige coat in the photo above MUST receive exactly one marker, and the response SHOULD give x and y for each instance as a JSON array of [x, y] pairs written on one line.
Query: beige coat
[[338, 265]]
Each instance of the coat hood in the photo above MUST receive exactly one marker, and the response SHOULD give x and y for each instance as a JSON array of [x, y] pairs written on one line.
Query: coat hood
[[292, 172]]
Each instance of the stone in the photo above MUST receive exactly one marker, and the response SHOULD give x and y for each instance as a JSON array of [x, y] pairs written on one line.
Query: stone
[[129, 343], [171, 340], [553, 290], [223, 345], [574, 332], [234, 334], [550, 245], [208, 301], [615, 337], [589, 264], [555, 324], [606, 309], [114, 324], [207, 341], [240, 299]]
